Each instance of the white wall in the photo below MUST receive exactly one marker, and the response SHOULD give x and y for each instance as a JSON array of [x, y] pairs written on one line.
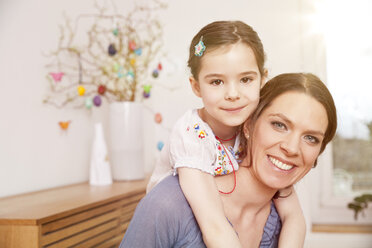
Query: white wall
[[35, 154]]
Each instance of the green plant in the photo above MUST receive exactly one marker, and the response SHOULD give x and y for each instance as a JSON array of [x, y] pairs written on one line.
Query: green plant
[[359, 204], [369, 125]]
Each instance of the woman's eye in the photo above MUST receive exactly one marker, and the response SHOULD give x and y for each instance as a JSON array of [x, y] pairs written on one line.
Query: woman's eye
[[246, 80], [217, 82], [312, 139], [278, 125]]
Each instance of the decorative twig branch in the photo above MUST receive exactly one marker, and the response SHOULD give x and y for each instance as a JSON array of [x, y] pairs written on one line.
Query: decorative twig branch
[[117, 62]]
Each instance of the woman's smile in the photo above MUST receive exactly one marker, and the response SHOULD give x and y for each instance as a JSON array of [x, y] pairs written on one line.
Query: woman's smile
[[285, 166]]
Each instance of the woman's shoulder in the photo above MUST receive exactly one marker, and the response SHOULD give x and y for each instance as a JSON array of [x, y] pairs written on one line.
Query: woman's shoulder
[[170, 217], [167, 198]]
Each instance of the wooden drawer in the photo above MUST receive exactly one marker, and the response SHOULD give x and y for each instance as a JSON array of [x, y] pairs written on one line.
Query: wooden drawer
[[77, 216]]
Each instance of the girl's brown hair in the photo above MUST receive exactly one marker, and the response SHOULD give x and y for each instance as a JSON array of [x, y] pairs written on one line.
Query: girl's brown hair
[[223, 33]]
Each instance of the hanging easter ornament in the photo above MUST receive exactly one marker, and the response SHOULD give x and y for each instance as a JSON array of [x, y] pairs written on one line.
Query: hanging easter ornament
[[130, 76], [106, 70], [115, 31], [101, 89], [120, 74], [146, 95], [112, 50], [132, 45], [97, 101], [138, 51], [81, 90], [64, 125], [158, 118], [132, 61], [146, 90], [57, 76], [160, 67], [88, 103], [155, 73], [160, 145], [116, 67]]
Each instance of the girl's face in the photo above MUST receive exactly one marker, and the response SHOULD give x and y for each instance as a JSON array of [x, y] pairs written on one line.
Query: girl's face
[[228, 83], [287, 138]]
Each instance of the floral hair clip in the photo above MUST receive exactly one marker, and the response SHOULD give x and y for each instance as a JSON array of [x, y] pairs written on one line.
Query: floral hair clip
[[200, 48]]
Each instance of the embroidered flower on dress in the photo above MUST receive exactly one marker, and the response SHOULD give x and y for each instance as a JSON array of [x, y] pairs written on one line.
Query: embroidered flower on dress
[[202, 134], [237, 154], [231, 150], [218, 170]]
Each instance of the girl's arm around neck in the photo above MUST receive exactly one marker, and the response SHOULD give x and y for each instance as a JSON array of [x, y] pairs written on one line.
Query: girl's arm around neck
[[293, 221], [202, 194]]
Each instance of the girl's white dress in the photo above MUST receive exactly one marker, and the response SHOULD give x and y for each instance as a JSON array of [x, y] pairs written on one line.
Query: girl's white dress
[[192, 144]]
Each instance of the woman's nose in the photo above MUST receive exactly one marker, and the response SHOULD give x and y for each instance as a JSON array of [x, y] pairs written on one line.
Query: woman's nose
[[290, 145], [232, 92]]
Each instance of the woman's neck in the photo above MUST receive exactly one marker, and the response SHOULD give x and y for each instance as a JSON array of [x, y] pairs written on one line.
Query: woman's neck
[[249, 205], [249, 193]]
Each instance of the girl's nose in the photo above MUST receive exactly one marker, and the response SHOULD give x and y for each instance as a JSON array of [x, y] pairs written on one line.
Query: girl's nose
[[232, 92]]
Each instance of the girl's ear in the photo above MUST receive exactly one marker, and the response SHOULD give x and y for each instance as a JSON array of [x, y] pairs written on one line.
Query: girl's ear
[[246, 129], [264, 78], [195, 86]]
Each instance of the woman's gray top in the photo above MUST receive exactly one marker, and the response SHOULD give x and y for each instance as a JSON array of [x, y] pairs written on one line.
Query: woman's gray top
[[163, 219]]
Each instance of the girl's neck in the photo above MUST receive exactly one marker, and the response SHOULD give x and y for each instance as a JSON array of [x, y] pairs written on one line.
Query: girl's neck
[[220, 130]]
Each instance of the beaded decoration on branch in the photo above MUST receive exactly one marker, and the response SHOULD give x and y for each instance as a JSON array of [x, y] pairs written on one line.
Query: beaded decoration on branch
[[117, 57]]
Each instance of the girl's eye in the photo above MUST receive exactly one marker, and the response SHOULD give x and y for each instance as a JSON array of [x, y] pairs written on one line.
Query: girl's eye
[[217, 82], [278, 125], [246, 80], [312, 139]]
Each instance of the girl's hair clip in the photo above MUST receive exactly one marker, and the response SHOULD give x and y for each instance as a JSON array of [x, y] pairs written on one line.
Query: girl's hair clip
[[199, 48]]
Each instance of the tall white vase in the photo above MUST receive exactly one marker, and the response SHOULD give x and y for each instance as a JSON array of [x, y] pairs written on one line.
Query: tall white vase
[[126, 141], [100, 172]]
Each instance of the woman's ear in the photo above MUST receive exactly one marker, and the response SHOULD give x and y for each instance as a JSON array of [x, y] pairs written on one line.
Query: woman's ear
[[264, 78], [195, 86]]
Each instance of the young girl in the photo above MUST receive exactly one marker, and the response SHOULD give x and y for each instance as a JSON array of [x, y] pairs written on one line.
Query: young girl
[[227, 65]]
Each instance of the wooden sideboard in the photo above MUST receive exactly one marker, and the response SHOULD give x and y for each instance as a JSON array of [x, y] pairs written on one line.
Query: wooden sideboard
[[79, 215]]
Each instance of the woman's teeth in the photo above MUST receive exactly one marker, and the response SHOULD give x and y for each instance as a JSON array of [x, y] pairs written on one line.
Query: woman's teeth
[[280, 165]]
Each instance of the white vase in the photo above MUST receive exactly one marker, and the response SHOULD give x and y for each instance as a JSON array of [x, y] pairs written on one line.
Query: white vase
[[100, 171], [126, 141]]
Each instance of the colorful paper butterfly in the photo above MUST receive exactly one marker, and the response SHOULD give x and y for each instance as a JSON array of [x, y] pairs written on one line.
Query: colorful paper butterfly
[[64, 124]]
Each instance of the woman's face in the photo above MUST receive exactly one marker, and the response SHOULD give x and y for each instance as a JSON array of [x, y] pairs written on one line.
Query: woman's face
[[287, 138]]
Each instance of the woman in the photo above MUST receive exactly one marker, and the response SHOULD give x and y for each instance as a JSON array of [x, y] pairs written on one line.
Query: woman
[[294, 121]]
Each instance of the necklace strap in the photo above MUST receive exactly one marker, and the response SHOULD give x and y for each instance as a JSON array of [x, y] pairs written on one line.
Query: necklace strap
[[224, 140], [232, 165]]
